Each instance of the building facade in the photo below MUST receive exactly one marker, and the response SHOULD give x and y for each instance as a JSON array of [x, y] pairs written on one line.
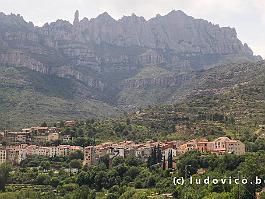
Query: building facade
[[89, 156]]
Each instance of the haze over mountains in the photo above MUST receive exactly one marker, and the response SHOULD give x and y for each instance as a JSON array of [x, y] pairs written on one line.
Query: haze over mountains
[[87, 68]]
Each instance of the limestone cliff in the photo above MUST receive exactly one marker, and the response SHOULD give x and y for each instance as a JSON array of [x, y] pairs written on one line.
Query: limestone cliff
[[104, 52]]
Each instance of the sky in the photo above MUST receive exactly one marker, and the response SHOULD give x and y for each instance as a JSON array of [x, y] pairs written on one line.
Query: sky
[[247, 16]]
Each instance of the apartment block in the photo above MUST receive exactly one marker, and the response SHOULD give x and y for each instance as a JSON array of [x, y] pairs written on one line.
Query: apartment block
[[3, 156], [89, 156]]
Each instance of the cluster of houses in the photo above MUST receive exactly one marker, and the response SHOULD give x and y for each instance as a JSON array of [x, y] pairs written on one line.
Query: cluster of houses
[[16, 153], [128, 148], [36, 135], [28, 142], [219, 146]]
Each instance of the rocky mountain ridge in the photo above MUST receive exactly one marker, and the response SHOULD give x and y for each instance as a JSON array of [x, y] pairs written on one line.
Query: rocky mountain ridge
[[117, 61], [101, 45]]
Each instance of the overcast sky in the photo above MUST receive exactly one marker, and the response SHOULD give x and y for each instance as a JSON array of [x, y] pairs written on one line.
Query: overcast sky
[[247, 16]]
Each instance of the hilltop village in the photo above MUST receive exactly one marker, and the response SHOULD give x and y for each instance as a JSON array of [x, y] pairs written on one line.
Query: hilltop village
[[30, 141]]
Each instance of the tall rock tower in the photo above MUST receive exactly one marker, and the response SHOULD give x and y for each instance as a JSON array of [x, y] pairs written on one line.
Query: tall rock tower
[[76, 20]]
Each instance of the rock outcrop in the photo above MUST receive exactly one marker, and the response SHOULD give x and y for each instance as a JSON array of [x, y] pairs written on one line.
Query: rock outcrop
[[103, 50], [76, 20]]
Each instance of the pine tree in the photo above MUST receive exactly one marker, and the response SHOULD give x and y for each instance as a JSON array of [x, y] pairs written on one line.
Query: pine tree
[[44, 124], [170, 160], [152, 158], [164, 163], [159, 154], [155, 155]]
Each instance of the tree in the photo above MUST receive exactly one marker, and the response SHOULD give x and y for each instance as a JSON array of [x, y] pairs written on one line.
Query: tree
[[76, 155], [75, 164], [191, 158], [43, 179], [44, 124], [84, 178], [159, 155], [155, 157], [132, 172], [112, 196], [222, 195], [54, 181], [105, 160], [132, 161], [66, 188], [4, 175], [80, 132], [253, 167], [151, 182], [83, 192], [61, 124], [45, 165], [170, 160], [117, 161], [164, 163], [128, 121]]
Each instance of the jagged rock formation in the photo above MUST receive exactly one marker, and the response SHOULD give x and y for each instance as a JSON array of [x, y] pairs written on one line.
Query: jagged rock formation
[[76, 21], [104, 53]]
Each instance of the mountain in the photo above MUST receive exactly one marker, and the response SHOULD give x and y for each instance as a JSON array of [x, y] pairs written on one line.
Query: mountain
[[107, 63], [227, 100], [170, 88], [29, 98]]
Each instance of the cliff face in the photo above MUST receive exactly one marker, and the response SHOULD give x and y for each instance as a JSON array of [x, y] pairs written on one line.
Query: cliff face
[[176, 31], [103, 52]]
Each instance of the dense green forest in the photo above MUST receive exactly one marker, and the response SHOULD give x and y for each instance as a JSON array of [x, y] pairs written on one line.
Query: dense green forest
[[132, 179]]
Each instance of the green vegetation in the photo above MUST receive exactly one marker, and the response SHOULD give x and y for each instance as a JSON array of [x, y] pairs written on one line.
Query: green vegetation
[[236, 89], [4, 175], [224, 101], [150, 72], [28, 97], [131, 179]]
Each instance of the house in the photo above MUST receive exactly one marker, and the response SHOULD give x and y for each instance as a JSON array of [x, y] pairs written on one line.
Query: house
[[3, 155], [101, 150], [116, 152], [54, 151], [89, 156], [65, 150], [53, 130], [189, 146], [53, 137], [16, 137], [225, 145], [43, 151], [218, 146], [26, 130], [15, 155], [143, 152], [66, 138], [235, 147], [166, 152], [31, 150], [2, 136], [70, 123], [40, 131]]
